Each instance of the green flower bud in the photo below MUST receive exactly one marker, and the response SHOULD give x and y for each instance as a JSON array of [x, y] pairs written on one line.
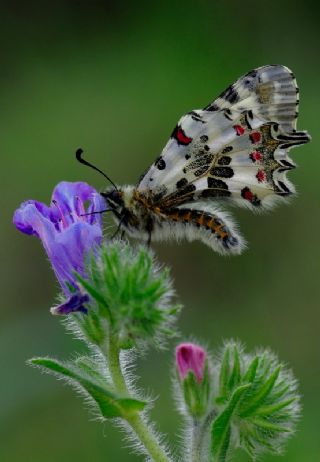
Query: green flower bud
[[257, 403], [133, 295]]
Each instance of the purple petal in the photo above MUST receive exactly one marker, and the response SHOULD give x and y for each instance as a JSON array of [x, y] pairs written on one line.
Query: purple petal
[[66, 190], [31, 217], [97, 205], [70, 198], [74, 304], [68, 252], [66, 234]]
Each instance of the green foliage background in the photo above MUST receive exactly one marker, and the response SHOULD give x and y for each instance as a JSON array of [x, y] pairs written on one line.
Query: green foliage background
[[114, 77]]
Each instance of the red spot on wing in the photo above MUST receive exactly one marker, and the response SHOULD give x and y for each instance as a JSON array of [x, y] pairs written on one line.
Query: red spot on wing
[[261, 175], [255, 156], [255, 137], [180, 136], [239, 130], [247, 194]]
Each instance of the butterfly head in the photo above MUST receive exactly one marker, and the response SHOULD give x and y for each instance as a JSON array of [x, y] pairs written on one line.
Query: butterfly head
[[119, 202], [114, 199]]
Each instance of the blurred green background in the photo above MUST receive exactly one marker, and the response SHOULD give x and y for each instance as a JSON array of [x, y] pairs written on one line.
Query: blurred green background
[[114, 77]]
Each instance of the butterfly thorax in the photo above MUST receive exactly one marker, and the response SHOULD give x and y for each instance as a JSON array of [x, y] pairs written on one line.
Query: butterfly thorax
[[135, 211]]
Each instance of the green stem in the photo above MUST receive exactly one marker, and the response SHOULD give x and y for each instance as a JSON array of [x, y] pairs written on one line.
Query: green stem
[[136, 422], [196, 438], [113, 356], [199, 438]]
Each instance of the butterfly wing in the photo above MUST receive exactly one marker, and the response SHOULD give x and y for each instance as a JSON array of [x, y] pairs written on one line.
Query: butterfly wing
[[271, 92], [236, 148]]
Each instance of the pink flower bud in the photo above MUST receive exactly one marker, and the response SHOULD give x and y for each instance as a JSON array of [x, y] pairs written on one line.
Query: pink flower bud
[[190, 357]]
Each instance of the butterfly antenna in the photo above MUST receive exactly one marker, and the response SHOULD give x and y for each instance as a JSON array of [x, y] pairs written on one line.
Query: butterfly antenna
[[79, 153]]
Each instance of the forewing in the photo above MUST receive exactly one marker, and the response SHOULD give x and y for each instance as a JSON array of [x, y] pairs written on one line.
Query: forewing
[[235, 148], [271, 92]]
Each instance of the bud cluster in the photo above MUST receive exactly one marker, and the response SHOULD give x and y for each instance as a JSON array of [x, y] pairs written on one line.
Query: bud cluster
[[242, 400]]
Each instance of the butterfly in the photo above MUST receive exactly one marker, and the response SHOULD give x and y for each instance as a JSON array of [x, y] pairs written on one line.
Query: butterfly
[[235, 150]]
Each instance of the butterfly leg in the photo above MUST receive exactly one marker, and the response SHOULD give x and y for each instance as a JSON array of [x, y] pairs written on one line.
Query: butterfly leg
[[118, 229], [149, 229]]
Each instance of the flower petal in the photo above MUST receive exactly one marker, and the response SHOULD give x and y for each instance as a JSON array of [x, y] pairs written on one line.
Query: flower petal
[[32, 216], [67, 234], [75, 303], [67, 253], [71, 198], [190, 357]]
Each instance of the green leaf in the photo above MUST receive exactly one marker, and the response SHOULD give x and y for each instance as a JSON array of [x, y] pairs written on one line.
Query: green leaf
[[262, 392], [89, 367], [273, 408], [221, 430], [271, 427], [235, 374], [94, 293], [110, 403], [250, 374], [224, 372]]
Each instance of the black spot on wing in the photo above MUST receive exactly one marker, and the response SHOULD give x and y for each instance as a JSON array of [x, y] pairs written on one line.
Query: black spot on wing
[[284, 188], [217, 184], [246, 118], [200, 161], [287, 164], [181, 183], [227, 113], [225, 160], [204, 138], [223, 172], [189, 188], [160, 163], [212, 107], [195, 116], [200, 171], [227, 149], [249, 79], [252, 73], [231, 95], [179, 195]]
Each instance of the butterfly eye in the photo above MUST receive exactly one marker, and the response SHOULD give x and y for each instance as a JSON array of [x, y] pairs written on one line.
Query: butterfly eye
[[114, 197]]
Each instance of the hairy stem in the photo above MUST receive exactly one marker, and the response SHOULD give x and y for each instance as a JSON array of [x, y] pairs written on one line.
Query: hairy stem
[[141, 429], [147, 438], [196, 438], [199, 438], [113, 356]]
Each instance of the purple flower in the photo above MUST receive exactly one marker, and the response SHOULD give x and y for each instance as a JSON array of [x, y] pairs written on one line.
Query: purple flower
[[66, 234], [190, 357]]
